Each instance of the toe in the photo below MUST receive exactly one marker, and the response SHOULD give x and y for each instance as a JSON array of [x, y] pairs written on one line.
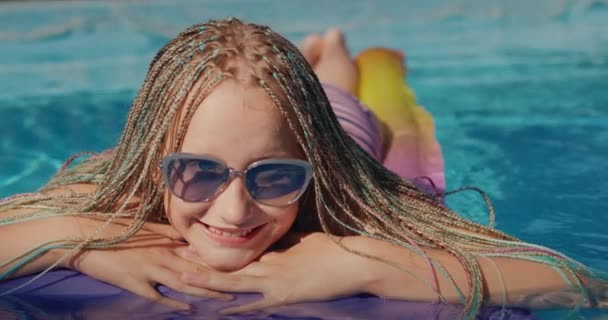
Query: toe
[[311, 48]]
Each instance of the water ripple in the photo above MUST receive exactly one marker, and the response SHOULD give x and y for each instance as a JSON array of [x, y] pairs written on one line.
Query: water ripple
[[21, 168]]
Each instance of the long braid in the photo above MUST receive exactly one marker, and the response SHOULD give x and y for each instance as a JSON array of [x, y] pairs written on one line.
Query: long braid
[[351, 192]]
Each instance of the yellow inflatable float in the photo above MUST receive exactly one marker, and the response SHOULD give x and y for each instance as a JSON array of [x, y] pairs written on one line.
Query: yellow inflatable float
[[410, 148]]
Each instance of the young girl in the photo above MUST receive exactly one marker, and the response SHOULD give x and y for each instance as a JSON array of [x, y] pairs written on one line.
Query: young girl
[[233, 174]]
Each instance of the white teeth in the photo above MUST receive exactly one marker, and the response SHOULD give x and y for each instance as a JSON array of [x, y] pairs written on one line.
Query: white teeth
[[229, 234]]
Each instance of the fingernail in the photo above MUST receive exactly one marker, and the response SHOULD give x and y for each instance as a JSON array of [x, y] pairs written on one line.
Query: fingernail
[[227, 297], [226, 312], [190, 310]]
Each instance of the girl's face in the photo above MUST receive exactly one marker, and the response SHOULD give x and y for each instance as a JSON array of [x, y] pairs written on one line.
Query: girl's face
[[238, 125]]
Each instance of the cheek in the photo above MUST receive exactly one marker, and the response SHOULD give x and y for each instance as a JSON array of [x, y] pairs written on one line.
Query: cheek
[[168, 204], [179, 213], [286, 217]]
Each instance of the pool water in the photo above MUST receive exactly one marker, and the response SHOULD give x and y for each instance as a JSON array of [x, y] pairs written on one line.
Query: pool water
[[518, 91]]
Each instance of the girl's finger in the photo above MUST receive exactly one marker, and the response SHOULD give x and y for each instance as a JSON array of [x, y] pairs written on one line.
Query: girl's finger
[[257, 305], [172, 280], [172, 303], [223, 281], [255, 269], [146, 290], [187, 253]]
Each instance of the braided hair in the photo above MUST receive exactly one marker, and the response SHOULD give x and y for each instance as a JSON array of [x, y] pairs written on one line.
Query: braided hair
[[351, 194]]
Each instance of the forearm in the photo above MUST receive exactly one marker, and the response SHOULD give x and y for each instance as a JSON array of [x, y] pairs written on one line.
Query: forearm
[[521, 279], [18, 239]]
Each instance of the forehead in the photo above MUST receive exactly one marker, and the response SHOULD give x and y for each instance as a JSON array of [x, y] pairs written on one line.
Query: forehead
[[239, 124]]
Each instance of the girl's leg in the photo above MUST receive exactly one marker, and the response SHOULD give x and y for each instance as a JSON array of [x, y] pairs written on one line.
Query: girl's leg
[[415, 153], [331, 60]]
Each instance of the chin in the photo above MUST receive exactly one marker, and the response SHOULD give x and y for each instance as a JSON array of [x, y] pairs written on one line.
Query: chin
[[229, 263], [228, 267]]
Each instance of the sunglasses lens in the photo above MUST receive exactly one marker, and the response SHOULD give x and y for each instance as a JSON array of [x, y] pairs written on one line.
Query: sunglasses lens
[[195, 180], [277, 184]]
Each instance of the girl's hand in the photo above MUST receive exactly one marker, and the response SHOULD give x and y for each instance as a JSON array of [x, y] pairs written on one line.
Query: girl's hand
[[153, 256], [315, 268]]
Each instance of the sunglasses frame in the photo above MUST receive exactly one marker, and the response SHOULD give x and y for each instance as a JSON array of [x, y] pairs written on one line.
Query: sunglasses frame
[[233, 173]]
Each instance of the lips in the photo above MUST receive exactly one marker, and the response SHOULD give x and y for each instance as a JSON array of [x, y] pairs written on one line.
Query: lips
[[231, 237], [229, 233]]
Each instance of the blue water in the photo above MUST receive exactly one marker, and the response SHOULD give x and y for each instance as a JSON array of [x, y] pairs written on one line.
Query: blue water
[[518, 90]]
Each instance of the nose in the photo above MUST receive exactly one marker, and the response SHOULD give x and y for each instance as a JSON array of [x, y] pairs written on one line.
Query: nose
[[234, 205]]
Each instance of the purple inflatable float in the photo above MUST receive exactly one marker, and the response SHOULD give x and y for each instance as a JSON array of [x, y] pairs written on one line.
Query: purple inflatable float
[[65, 294]]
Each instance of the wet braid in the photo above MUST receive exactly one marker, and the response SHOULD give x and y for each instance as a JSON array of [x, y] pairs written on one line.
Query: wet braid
[[351, 194]]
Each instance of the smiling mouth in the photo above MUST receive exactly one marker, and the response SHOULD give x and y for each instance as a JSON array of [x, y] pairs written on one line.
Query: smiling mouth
[[231, 237], [230, 233]]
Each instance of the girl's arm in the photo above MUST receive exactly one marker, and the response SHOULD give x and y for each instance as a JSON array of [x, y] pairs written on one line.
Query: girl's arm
[[154, 255], [508, 281], [316, 268], [20, 238]]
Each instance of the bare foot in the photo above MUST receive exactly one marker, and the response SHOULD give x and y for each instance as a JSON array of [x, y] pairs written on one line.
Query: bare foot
[[331, 60], [311, 48], [335, 65]]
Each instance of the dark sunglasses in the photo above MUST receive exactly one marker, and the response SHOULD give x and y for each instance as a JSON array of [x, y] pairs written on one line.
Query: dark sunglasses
[[273, 182]]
